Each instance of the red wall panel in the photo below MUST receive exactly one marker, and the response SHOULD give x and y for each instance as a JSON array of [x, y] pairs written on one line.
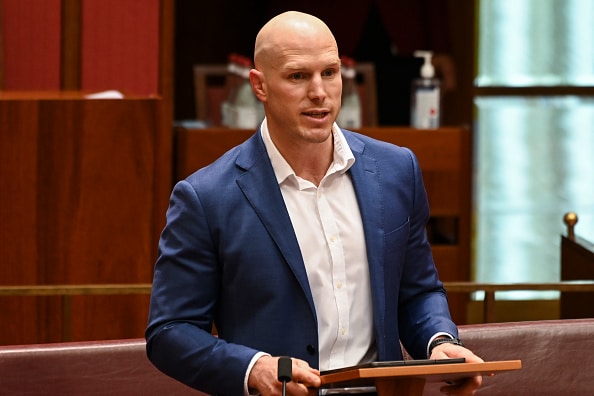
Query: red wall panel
[[120, 45], [31, 42]]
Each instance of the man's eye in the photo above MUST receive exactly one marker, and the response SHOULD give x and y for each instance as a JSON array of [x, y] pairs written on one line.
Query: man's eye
[[297, 76], [329, 73]]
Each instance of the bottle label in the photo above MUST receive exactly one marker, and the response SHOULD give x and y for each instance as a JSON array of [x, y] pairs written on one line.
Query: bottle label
[[247, 117], [349, 117], [426, 114], [226, 114]]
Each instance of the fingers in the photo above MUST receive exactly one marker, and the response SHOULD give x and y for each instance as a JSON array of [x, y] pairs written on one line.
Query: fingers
[[305, 375], [445, 351], [296, 388], [467, 386], [263, 377], [302, 364]]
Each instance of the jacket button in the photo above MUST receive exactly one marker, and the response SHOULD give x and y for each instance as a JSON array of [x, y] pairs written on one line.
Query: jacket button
[[311, 349]]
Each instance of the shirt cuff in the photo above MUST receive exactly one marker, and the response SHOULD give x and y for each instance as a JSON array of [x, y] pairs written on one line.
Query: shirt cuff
[[434, 337], [257, 356]]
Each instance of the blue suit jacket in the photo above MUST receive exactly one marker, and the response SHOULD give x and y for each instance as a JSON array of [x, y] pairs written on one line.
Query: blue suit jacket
[[228, 254]]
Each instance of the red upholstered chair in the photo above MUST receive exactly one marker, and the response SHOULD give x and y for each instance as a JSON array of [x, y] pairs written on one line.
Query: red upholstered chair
[[91, 368]]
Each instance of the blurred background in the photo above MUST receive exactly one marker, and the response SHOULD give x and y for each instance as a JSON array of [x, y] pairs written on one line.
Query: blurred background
[[518, 73]]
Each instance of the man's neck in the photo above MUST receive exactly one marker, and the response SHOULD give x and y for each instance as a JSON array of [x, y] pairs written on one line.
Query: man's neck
[[312, 161]]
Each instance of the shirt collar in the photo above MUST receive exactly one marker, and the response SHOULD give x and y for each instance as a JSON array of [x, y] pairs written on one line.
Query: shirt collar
[[343, 156]]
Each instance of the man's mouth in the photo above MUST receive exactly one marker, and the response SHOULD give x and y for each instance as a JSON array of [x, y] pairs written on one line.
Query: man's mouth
[[316, 114]]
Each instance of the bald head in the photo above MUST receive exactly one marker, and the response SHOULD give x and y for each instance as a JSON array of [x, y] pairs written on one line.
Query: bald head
[[297, 78], [288, 31]]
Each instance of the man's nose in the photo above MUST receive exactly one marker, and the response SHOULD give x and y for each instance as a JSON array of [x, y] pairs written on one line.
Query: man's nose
[[317, 89]]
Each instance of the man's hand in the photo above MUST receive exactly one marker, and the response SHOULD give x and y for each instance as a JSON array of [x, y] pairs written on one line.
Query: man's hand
[[464, 387], [264, 379]]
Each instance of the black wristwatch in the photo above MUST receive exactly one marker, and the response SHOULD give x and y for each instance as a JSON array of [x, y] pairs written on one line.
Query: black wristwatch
[[439, 341]]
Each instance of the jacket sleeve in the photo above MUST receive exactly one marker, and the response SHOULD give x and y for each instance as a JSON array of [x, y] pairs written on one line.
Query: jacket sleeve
[[182, 307], [423, 304]]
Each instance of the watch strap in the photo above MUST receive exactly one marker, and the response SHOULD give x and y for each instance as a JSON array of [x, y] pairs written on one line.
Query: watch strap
[[440, 341]]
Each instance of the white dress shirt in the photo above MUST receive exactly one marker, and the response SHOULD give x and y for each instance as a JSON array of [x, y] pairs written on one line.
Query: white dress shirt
[[329, 230]]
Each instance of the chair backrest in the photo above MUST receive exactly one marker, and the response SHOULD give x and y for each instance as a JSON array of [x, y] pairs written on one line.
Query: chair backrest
[[115, 367], [577, 263], [556, 357], [209, 91]]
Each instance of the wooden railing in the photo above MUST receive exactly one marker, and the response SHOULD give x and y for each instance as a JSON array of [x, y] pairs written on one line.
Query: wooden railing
[[489, 301], [67, 291], [489, 309], [75, 290]]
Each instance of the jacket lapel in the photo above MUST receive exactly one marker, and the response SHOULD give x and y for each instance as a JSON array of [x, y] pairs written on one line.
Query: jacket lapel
[[366, 181], [259, 185]]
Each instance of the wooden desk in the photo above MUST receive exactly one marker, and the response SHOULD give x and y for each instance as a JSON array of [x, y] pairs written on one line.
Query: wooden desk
[[85, 185], [410, 380], [445, 158]]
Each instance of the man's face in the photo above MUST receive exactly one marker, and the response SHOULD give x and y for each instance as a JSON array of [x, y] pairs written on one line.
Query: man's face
[[303, 90]]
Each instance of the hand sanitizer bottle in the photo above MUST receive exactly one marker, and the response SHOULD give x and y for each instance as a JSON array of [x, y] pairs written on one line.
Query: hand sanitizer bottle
[[350, 111], [231, 83], [248, 111], [426, 97]]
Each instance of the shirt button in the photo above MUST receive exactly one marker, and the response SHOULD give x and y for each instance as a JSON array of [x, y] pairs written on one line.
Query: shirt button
[[338, 284], [342, 331]]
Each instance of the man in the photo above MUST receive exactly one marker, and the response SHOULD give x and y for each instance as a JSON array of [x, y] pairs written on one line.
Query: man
[[306, 241]]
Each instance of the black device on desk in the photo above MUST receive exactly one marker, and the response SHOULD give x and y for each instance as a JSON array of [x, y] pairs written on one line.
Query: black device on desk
[[396, 363], [361, 390]]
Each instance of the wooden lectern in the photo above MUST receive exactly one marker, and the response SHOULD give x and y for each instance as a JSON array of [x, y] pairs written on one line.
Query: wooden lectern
[[410, 380]]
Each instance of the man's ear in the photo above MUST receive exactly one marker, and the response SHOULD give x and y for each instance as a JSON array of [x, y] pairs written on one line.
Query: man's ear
[[258, 84]]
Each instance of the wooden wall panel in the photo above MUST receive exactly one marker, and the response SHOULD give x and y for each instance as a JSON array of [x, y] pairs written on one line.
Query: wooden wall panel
[[79, 205], [18, 203], [85, 184], [97, 178], [100, 175], [70, 51], [18, 214], [108, 317], [31, 44], [120, 45], [89, 45]]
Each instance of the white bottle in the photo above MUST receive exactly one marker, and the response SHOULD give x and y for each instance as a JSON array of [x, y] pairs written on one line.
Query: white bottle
[[425, 96], [248, 111], [350, 110], [231, 84]]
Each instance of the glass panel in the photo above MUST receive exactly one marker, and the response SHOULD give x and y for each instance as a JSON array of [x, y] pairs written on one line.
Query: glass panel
[[534, 161], [536, 43]]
